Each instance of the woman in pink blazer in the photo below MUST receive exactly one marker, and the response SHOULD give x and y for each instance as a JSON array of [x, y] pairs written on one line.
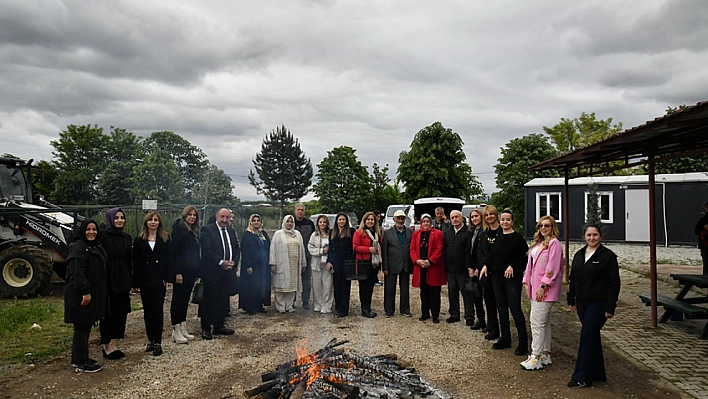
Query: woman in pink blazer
[[542, 279]]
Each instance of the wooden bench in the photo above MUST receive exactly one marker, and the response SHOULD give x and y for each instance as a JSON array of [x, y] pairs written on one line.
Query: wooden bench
[[689, 311]]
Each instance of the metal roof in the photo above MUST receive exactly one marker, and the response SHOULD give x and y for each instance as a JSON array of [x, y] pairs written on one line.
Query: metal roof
[[633, 179], [682, 133]]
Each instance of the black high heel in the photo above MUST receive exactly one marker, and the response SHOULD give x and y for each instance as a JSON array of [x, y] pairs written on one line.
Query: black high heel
[[115, 355]]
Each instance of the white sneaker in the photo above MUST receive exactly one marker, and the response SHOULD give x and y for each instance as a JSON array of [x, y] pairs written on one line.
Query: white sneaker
[[532, 363], [546, 359], [177, 335], [183, 330]]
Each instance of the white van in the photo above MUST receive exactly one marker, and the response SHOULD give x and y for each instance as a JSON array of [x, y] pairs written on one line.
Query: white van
[[428, 205], [388, 221]]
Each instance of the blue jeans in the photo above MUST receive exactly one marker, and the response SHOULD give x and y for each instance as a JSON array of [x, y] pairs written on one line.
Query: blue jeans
[[590, 365]]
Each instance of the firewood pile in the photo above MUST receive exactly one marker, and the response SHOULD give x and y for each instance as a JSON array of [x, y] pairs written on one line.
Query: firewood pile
[[330, 373]]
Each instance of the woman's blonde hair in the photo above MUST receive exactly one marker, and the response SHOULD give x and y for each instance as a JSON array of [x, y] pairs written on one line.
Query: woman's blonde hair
[[469, 217], [362, 226], [160, 227], [492, 209], [540, 238]]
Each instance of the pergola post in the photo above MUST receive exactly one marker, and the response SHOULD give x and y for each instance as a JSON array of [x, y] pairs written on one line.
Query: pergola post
[[566, 226], [652, 239]]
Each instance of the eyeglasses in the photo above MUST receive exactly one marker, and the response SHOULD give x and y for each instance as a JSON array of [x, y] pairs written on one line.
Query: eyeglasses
[[544, 225]]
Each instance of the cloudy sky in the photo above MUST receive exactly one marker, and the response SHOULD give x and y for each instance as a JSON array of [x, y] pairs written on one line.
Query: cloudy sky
[[367, 74]]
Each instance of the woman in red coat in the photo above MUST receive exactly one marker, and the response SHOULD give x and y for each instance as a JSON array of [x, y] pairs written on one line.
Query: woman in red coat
[[429, 269], [366, 243]]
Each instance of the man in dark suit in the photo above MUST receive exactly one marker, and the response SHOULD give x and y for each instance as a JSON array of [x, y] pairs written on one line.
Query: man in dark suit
[[454, 250], [220, 255], [397, 265]]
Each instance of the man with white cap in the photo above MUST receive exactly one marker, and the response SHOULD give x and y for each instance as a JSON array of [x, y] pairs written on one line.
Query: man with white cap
[[397, 265]]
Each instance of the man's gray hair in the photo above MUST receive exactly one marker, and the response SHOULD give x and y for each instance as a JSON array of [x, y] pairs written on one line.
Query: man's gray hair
[[440, 208], [456, 211], [300, 204]]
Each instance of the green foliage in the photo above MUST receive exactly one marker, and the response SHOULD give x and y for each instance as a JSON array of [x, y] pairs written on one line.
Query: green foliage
[[344, 183], [157, 178], [594, 212], [217, 189], [284, 173], [21, 344], [435, 166], [695, 163], [571, 134], [190, 160], [392, 195], [512, 171], [123, 151], [379, 182], [79, 158], [43, 178]]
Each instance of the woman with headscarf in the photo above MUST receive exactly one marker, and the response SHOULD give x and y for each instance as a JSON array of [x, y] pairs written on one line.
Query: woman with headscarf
[[318, 246], [428, 267], [151, 257], [184, 270], [85, 292], [118, 246], [255, 274], [340, 250], [366, 244], [287, 261]]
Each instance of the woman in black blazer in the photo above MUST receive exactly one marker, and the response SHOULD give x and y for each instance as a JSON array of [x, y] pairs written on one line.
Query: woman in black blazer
[[151, 257], [183, 271]]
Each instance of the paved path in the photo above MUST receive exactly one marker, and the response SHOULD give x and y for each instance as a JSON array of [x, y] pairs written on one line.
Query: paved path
[[674, 350]]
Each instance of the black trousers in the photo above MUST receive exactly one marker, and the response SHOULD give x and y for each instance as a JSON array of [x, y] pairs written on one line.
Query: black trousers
[[366, 289], [181, 294], [704, 257], [80, 344], [508, 295], [342, 291], [491, 304], [113, 325], [478, 307], [590, 364], [153, 301], [215, 304], [455, 285], [429, 297], [306, 283], [403, 280]]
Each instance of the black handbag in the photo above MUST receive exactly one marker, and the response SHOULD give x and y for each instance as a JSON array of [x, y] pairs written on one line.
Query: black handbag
[[357, 269], [198, 293], [233, 282], [472, 288]]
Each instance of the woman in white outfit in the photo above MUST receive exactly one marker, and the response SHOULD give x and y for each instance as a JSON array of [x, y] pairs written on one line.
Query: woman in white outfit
[[287, 261], [322, 281]]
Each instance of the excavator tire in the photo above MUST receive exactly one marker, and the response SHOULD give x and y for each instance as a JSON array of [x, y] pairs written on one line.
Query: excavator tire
[[25, 270]]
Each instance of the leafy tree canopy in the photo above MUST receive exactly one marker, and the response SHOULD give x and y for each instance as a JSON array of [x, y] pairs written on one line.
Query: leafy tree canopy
[[571, 134], [512, 171], [435, 166], [344, 183], [284, 172], [694, 163]]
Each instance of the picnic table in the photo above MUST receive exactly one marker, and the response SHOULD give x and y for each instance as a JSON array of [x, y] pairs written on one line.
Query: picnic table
[[687, 306]]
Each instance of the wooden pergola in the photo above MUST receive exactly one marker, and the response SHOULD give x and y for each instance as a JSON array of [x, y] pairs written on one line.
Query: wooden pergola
[[679, 134]]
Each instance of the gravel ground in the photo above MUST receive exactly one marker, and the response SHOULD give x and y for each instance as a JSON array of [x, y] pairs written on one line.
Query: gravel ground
[[450, 356]]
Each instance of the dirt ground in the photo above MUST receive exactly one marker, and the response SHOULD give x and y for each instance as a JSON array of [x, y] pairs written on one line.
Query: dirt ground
[[450, 356]]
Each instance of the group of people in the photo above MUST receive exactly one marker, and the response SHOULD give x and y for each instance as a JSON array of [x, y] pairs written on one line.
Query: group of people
[[485, 261]]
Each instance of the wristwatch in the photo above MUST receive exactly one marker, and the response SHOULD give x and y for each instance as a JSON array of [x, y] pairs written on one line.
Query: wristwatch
[[544, 286]]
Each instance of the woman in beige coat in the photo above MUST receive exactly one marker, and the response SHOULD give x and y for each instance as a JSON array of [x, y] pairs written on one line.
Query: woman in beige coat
[[322, 280], [287, 261]]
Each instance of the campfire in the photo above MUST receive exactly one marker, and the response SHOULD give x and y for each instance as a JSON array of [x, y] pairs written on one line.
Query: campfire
[[330, 373]]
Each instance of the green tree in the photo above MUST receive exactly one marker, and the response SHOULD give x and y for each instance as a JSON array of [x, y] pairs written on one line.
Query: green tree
[[79, 159], [43, 178], [512, 171], [157, 178], [593, 213], [379, 182], [284, 172], [571, 134], [217, 188], [435, 166], [123, 153], [343, 183], [190, 160]]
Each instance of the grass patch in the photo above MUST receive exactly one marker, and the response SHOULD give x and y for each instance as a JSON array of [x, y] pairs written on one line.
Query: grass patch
[[21, 344]]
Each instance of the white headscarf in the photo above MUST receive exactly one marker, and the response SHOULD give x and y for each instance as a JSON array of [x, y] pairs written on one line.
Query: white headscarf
[[290, 232]]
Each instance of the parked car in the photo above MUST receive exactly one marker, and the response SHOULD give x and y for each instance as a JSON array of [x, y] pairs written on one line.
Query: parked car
[[388, 221], [428, 205]]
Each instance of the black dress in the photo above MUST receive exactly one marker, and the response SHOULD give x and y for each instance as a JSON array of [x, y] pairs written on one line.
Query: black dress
[[255, 287], [118, 246], [340, 249]]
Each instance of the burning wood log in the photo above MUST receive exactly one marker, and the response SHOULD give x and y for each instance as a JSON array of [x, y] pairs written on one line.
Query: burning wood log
[[330, 373]]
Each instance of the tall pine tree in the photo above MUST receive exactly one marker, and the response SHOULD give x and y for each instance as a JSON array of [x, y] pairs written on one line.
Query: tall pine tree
[[284, 172]]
